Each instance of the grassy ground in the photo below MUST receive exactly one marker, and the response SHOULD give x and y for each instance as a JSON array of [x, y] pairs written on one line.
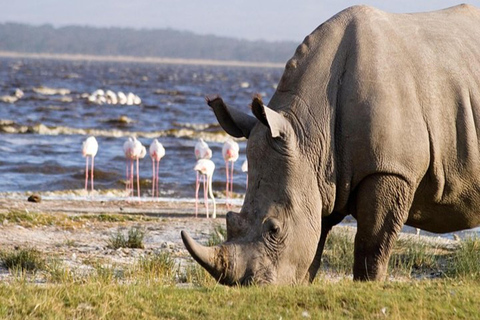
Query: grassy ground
[[436, 299], [427, 281]]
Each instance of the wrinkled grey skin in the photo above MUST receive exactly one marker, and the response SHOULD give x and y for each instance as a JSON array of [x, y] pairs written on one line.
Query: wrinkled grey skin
[[376, 116]]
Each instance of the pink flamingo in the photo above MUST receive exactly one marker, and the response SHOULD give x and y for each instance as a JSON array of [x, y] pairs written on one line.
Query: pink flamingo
[[230, 154], [89, 149], [128, 150], [245, 169], [140, 153], [157, 151], [134, 150], [202, 151], [206, 167]]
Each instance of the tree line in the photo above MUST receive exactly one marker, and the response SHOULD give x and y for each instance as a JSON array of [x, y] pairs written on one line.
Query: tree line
[[165, 43]]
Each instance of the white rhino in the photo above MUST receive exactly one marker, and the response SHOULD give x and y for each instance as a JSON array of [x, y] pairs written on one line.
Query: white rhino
[[376, 116]]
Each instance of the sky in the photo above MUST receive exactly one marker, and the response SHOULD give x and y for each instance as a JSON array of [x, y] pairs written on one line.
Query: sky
[[271, 20]]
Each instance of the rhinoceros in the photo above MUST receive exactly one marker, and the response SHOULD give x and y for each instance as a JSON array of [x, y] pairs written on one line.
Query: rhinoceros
[[377, 116]]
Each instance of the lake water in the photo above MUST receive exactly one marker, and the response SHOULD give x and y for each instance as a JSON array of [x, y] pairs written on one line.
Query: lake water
[[42, 150], [42, 133]]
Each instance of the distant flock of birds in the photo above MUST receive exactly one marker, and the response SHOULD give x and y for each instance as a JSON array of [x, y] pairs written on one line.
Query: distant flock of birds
[[204, 167], [100, 96]]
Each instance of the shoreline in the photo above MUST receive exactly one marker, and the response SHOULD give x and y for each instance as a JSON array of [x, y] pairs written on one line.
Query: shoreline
[[152, 60], [76, 233]]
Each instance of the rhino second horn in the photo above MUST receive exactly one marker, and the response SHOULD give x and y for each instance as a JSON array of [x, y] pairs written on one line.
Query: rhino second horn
[[205, 256]]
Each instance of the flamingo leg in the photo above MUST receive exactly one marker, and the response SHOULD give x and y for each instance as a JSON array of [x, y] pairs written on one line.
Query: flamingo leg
[[231, 182], [131, 177], [226, 187], [197, 186], [153, 178], [91, 175], [156, 179], [127, 178], [138, 181], [210, 191], [86, 172], [205, 192]]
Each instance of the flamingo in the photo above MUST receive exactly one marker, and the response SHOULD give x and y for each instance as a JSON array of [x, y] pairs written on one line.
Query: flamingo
[[122, 98], [206, 167], [134, 150], [111, 97], [128, 150], [230, 154], [140, 152], [202, 151], [130, 99], [157, 151], [245, 169], [89, 149]]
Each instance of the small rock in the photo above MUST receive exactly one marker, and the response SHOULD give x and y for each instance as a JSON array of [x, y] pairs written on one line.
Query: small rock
[[34, 198]]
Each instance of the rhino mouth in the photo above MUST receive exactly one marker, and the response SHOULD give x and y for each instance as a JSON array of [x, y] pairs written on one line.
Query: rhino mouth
[[215, 259], [229, 263]]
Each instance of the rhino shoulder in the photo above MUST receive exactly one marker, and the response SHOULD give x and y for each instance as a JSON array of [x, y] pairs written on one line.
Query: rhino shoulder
[[463, 9]]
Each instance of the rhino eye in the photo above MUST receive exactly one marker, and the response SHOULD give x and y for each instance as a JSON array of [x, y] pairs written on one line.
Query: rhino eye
[[272, 226]]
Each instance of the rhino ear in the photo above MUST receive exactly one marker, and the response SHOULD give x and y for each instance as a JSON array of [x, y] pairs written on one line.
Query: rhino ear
[[275, 121], [235, 123]]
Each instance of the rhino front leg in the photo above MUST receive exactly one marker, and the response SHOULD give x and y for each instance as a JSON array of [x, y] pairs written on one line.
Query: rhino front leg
[[327, 225], [383, 203]]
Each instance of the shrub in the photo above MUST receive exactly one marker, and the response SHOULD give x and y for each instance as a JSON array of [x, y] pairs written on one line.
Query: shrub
[[160, 266], [465, 261], [27, 259], [133, 240], [217, 236]]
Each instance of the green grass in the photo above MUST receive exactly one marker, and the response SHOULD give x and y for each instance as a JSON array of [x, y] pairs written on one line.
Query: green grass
[[440, 299], [409, 258], [159, 286], [465, 261], [29, 219], [160, 266], [26, 218], [338, 253], [133, 239], [109, 217], [217, 236], [149, 289], [26, 259]]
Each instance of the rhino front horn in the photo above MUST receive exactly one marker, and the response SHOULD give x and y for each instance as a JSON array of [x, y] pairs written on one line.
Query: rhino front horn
[[207, 257]]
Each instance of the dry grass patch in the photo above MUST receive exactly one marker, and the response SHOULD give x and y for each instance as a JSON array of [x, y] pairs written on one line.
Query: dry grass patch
[[26, 259], [133, 239]]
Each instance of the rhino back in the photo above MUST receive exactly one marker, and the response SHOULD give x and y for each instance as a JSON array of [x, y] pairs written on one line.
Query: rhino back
[[396, 94]]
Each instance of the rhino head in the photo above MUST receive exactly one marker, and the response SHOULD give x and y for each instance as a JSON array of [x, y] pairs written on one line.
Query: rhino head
[[273, 239]]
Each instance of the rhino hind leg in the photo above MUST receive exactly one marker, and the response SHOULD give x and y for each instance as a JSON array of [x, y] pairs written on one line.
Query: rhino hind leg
[[382, 206]]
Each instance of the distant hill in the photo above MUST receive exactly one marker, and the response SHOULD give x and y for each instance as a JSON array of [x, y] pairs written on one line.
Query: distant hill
[[139, 43]]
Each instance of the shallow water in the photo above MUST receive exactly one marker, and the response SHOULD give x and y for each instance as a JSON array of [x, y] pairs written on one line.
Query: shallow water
[[42, 150]]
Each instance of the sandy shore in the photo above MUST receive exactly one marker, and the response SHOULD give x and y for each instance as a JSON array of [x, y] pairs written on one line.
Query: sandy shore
[[156, 60], [79, 239], [78, 245]]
